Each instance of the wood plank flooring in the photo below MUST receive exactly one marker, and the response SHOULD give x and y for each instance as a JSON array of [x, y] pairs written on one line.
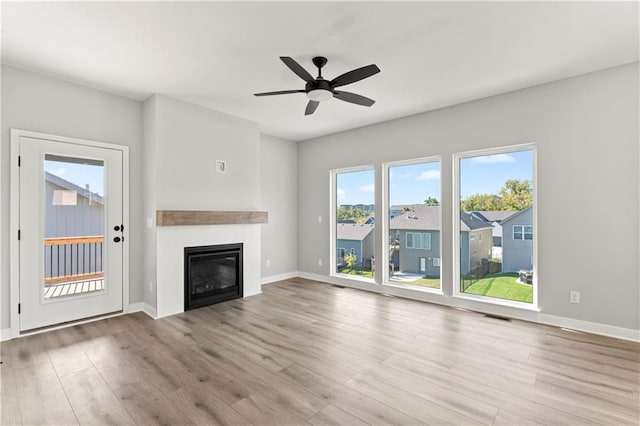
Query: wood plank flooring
[[305, 352]]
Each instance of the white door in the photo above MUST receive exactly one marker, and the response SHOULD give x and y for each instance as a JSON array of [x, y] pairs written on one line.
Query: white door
[[71, 231]]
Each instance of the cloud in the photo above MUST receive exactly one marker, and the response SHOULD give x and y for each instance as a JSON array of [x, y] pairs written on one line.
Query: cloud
[[58, 172], [340, 193], [430, 175], [493, 159], [367, 188]]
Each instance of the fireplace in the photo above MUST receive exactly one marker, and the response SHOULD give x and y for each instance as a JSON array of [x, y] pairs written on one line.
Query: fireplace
[[212, 274]]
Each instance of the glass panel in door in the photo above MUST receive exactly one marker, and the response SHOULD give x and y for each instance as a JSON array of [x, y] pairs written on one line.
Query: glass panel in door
[[74, 222]]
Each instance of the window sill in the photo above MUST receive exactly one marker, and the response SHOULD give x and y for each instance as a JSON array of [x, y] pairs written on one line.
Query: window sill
[[353, 278], [500, 302], [417, 288]]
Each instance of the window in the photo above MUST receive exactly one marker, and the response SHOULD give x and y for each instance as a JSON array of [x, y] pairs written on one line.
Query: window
[[495, 186], [412, 203], [353, 199], [418, 240], [522, 232], [436, 262]]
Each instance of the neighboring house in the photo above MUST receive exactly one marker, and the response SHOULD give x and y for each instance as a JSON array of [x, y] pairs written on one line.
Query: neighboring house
[[517, 243], [418, 235], [495, 218], [365, 207], [71, 211], [398, 209], [356, 239]]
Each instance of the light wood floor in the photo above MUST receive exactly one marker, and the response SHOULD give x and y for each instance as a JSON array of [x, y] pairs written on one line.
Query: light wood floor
[[306, 352]]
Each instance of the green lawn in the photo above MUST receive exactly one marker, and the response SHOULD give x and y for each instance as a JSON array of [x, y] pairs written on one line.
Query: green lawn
[[502, 286], [427, 282]]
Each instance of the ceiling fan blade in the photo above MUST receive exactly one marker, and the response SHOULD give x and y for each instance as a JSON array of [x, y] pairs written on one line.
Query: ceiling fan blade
[[297, 68], [354, 98], [355, 75], [311, 107], [281, 92]]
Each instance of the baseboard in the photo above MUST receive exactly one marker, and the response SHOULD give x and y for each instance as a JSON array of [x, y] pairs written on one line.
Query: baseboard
[[279, 277], [591, 327], [5, 334], [141, 307], [536, 317]]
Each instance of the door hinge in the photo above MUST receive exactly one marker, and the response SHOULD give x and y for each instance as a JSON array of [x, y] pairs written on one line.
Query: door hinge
[[18, 235], [19, 308], [19, 160]]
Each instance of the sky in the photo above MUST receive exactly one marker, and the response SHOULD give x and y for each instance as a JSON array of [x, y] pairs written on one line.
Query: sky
[[80, 174], [412, 184]]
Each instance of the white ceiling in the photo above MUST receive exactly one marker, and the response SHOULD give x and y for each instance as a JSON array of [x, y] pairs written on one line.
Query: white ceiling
[[217, 54]]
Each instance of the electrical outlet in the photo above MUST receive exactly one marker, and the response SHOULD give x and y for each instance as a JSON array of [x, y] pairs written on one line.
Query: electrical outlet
[[574, 297], [221, 166], [319, 219], [149, 222], [268, 263], [319, 262]]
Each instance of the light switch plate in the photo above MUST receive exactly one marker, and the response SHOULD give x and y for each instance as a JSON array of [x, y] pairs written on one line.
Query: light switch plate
[[221, 166]]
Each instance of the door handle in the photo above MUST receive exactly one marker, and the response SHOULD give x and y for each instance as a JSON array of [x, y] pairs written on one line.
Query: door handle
[[116, 239]]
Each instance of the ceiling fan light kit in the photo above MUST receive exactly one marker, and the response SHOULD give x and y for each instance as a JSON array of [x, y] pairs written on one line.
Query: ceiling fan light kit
[[318, 89]]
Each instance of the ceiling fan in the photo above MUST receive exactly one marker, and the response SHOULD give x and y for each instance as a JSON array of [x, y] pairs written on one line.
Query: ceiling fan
[[319, 89]]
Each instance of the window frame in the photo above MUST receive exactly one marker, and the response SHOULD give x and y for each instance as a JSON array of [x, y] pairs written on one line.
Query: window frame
[[385, 219], [455, 180], [333, 222]]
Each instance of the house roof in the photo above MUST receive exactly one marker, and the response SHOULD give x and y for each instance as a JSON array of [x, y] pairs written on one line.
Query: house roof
[[471, 223], [63, 183], [425, 217], [352, 231], [518, 213], [493, 216]]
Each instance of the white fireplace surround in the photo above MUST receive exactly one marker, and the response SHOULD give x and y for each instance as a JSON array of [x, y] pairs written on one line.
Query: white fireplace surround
[[171, 241]]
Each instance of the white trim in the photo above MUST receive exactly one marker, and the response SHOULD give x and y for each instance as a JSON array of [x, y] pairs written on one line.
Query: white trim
[[483, 307], [14, 220], [14, 225], [141, 307], [456, 157], [591, 327], [279, 277]]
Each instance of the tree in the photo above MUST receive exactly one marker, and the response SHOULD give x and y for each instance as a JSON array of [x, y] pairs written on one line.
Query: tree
[[351, 260], [430, 201], [481, 202], [352, 213], [516, 194]]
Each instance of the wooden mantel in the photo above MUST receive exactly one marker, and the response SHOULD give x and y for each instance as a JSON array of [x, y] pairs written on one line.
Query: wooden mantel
[[208, 217]]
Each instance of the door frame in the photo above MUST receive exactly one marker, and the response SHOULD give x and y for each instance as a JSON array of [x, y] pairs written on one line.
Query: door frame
[[14, 219]]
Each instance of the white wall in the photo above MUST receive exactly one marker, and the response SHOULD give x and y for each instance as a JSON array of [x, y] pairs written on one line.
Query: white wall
[[190, 139], [33, 102], [183, 142], [586, 132]]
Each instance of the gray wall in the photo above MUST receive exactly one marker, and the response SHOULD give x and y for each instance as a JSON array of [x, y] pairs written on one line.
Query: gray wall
[[278, 193], [586, 132], [42, 104], [517, 254], [479, 247]]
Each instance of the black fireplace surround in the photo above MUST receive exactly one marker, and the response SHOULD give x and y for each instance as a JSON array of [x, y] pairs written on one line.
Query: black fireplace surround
[[212, 274]]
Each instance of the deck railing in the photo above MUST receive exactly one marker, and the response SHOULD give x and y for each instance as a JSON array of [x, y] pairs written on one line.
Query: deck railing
[[73, 259]]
